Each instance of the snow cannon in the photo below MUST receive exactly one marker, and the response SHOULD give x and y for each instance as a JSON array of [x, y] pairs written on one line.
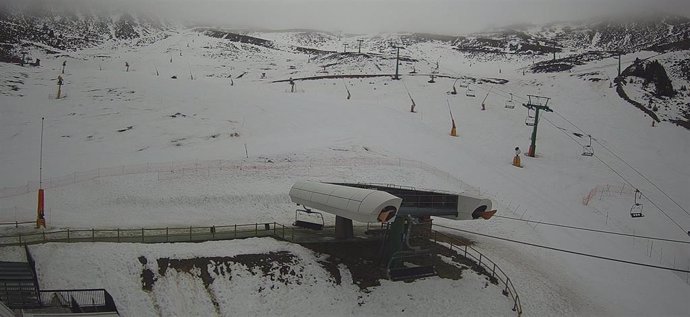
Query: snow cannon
[[358, 204]]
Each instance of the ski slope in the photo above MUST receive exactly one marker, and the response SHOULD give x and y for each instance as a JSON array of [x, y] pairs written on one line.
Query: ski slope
[[111, 118]]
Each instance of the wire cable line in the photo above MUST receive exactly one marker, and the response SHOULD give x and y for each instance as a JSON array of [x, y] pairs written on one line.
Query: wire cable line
[[593, 230], [568, 251]]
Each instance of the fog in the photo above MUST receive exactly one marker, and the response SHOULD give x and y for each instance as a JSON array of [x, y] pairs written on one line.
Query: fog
[[367, 16]]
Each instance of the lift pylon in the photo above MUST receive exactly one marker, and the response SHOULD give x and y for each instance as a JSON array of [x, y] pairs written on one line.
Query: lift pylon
[[536, 103]]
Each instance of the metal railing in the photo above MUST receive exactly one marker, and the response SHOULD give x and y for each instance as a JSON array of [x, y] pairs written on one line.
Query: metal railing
[[482, 261], [228, 232], [143, 235], [16, 294], [79, 300]]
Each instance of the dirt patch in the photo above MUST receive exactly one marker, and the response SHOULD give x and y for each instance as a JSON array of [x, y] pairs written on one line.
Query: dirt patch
[[148, 278], [363, 259], [460, 259], [331, 265], [126, 129], [275, 265], [360, 257]]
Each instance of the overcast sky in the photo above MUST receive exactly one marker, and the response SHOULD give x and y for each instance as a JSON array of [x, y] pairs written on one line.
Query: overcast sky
[[366, 16]]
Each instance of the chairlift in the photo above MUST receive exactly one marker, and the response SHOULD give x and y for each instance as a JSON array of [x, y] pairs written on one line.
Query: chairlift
[[636, 209], [470, 92], [588, 150], [463, 85], [308, 213], [530, 120], [509, 103]]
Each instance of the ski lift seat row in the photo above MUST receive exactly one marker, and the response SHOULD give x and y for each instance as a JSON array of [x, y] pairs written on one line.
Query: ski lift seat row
[[470, 93], [636, 209], [588, 150], [306, 212], [530, 120], [509, 103]]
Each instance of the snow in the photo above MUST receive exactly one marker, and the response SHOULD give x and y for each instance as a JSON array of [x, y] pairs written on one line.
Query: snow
[[318, 134], [239, 291]]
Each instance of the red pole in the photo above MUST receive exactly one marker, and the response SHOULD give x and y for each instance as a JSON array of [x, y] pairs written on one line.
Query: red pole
[[40, 217], [40, 214]]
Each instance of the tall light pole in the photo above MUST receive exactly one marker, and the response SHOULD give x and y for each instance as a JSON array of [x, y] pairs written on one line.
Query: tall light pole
[[359, 48], [397, 62], [40, 213]]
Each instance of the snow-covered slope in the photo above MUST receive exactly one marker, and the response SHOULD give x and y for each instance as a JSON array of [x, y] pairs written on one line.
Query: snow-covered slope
[[229, 101]]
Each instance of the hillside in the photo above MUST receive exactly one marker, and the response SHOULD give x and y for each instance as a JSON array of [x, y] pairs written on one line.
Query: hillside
[[218, 107]]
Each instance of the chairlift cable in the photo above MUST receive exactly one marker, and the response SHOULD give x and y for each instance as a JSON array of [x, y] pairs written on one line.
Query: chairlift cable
[[645, 177], [625, 180], [607, 165], [568, 251], [628, 164], [593, 230]]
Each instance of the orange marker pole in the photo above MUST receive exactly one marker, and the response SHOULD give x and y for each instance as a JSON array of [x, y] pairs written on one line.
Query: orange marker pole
[[40, 210]]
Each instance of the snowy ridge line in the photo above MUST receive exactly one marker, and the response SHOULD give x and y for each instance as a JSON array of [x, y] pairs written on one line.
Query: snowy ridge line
[[569, 251], [171, 170]]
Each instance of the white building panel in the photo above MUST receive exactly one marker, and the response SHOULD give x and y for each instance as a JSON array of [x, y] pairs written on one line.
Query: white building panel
[[358, 204]]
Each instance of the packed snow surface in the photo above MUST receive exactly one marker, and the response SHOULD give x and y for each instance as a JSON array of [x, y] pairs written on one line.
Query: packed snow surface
[[235, 143]]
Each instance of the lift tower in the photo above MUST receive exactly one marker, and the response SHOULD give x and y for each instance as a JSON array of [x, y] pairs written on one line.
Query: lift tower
[[536, 103], [397, 61]]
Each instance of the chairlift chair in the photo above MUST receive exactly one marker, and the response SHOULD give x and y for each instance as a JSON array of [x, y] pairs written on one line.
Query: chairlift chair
[[636, 209], [306, 212], [588, 150], [463, 85], [509, 103], [470, 92], [530, 120]]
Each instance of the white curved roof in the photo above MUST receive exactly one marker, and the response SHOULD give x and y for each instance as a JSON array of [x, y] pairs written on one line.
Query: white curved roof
[[358, 204]]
